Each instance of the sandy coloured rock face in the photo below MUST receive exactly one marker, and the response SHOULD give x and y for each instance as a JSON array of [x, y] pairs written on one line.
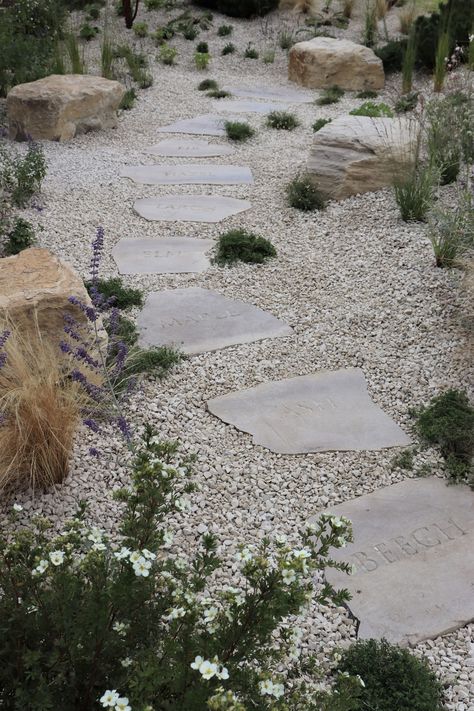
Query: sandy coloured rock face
[[323, 62], [358, 154], [59, 107]]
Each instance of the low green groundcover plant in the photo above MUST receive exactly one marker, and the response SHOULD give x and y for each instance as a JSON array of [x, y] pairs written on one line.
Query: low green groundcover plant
[[239, 245], [367, 94], [228, 49], [330, 96], [238, 131], [219, 94], [303, 195], [370, 108], [282, 120], [121, 297], [448, 421], [320, 123], [407, 102], [20, 237], [132, 623], [208, 84], [394, 679]]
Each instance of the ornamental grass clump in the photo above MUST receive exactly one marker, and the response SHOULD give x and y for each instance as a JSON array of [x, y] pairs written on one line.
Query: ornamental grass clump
[[303, 195], [239, 245], [330, 96], [238, 131], [451, 231], [320, 123], [282, 120], [135, 622]]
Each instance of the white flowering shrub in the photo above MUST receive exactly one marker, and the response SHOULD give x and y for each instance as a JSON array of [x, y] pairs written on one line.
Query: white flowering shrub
[[131, 624]]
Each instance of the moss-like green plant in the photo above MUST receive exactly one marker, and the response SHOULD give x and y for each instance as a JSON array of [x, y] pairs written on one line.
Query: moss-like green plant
[[370, 108], [208, 84], [239, 245], [219, 94], [320, 123], [122, 297], [303, 195], [151, 361], [282, 120], [88, 32], [128, 100], [330, 96], [238, 131], [202, 48]]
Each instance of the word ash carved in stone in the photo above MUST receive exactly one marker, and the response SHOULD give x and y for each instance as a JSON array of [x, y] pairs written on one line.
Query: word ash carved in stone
[[172, 255], [311, 413], [413, 556], [199, 320]]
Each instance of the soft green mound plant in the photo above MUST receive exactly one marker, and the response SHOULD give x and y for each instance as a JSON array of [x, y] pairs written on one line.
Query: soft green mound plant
[[20, 237], [330, 96], [208, 84], [392, 55], [407, 102], [415, 193], [251, 52], [448, 421], [367, 94], [163, 34], [239, 245], [88, 32], [303, 195], [156, 362], [202, 47], [21, 176], [370, 108], [394, 679], [228, 49], [225, 30], [190, 32], [451, 231], [140, 29], [238, 131], [133, 622], [168, 54], [93, 12], [320, 123], [121, 297], [219, 94], [201, 60], [128, 100], [282, 120]]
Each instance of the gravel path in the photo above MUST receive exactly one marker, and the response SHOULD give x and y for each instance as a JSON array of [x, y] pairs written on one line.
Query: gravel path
[[357, 285]]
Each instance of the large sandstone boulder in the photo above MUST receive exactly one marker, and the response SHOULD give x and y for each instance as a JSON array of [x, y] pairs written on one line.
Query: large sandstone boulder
[[59, 107], [35, 287], [357, 154], [323, 62]]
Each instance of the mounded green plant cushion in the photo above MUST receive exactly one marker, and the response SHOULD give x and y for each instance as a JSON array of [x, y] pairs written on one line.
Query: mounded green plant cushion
[[239, 245]]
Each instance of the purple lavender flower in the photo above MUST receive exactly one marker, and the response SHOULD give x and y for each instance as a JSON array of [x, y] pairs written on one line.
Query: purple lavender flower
[[94, 452], [89, 311], [124, 428], [97, 248], [3, 339], [92, 424], [65, 347], [81, 354], [92, 390]]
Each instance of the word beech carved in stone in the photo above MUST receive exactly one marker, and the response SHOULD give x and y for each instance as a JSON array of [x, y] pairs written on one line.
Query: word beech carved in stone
[[413, 553]]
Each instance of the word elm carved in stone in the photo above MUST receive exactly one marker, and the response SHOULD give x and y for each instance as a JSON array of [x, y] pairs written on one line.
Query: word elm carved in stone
[[413, 557], [172, 255], [311, 413], [188, 174], [199, 320], [190, 208]]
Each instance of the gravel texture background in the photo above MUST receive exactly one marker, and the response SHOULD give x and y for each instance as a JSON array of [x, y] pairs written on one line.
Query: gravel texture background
[[358, 286]]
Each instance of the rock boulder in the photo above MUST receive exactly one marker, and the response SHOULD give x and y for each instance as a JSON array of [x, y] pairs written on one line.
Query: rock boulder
[[59, 107], [323, 62]]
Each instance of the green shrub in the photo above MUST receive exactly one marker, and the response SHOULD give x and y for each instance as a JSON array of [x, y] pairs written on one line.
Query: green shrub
[[140, 29], [370, 108], [240, 8], [251, 52], [320, 123], [120, 296], [219, 94], [303, 195], [202, 47], [451, 231], [394, 679], [282, 120], [21, 176], [456, 17], [228, 49], [201, 60], [93, 12], [154, 4], [190, 32], [407, 102], [20, 237], [367, 94], [87, 32], [239, 245], [330, 96], [225, 30], [163, 34], [392, 55], [415, 193], [168, 54], [208, 84], [238, 131]]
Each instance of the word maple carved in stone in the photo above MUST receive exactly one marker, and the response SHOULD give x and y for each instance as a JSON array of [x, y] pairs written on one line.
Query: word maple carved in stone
[[199, 320], [413, 558]]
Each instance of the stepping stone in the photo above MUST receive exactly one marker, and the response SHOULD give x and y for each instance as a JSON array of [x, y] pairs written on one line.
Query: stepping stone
[[204, 125], [245, 107], [198, 320], [189, 174], [273, 93], [189, 149], [190, 208], [173, 255], [414, 561], [311, 413]]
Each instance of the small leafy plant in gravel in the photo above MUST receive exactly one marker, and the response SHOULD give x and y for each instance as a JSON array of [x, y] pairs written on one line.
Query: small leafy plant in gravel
[[21, 176], [219, 94], [140, 29], [268, 56], [330, 96], [163, 34], [404, 460], [303, 194], [393, 677], [20, 237], [190, 32], [407, 102], [208, 84], [238, 131], [128, 100], [225, 30], [88, 32], [448, 421], [201, 60], [251, 52], [228, 49], [370, 108], [367, 94], [451, 230], [93, 12], [113, 291], [239, 245], [286, 39], [320, 123], [168, 55], [202, 48], [282, 120]]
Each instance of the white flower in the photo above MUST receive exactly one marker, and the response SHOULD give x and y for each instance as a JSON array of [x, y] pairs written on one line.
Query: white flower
[[99, 547], [208, 669], [222, 673], [135, 556], [95, 535], [210, 614], [122, 553], [278, 690], [17, 508], [110, 698], [289, 575], [361, 681], [181, 564], [142, 567], [126, 662], [148, 554], [341, 541], [167, 539], [281, 538], [266, 687], [120, 627], [197, 662], [41, 567], [56, 557], [182, 504], [122, 704], [190, 597], [302, 554], [175, 613], [245, 555]]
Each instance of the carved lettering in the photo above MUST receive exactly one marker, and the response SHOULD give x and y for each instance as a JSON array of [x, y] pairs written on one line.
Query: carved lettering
[[387, 553], [367, 564], [450, 529], [425, 537]]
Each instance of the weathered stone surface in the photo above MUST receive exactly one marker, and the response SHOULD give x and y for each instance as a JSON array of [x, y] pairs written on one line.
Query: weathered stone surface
[[182, 148], [35, 287], [323, 62], [198, 320], [413, 552], [204, 125], [188, 174], [311, 413], [357, 154], [246, 107], [59, 107], [272, 93], [174, 255], [190, 208]]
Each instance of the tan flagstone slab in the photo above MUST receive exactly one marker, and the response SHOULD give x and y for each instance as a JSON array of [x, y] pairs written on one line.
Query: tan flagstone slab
[[199, 320], [185, 148], [413, 553], [188, 174], [173, 255], [331, 410], [190, 208]]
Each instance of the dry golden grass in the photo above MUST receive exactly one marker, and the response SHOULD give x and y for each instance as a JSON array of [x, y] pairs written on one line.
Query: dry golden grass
[[304, 6], [381, 8], [407, 16], [41, 407], [347, 8]]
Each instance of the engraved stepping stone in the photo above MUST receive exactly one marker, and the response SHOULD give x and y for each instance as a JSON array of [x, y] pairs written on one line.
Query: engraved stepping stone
[[245, 107], [188, 174], [272, 93], [413, 556], [174, 255], [179, 148], [199, 320], [311, 413], [190, 208], [204, 125]]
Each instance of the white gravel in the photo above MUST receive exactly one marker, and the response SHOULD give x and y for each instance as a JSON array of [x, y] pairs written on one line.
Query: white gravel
[[357, 285]]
